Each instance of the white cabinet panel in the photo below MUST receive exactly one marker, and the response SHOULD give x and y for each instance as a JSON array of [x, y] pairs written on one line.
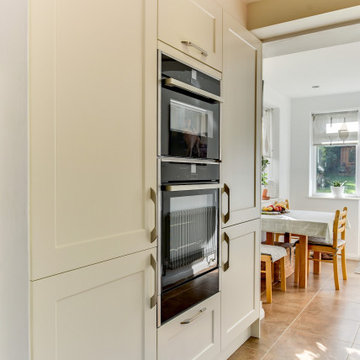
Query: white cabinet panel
[[98, 312], [199, 339], [195, 21], [240, 282], [241, 122], [92, 131]]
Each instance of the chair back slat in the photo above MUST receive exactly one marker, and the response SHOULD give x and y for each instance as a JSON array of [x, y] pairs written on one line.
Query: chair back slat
[[339, 225]]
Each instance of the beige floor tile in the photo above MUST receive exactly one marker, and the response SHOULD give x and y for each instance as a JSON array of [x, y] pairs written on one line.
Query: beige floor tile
[[300, 345], [307, 324]]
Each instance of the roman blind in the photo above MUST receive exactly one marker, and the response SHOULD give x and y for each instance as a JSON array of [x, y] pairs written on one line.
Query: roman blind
[[337, 128]]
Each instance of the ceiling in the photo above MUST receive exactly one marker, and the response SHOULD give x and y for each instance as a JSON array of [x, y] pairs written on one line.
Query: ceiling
[[335, 69]]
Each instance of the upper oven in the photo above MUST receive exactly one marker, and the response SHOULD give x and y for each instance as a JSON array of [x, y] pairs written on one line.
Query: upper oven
[[190, 112]]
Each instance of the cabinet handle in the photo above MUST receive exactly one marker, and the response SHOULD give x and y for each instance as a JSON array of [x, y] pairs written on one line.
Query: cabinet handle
[[197, 47], [154, 297], [226, 190], [188, 321], [153, 234], [227, 240]]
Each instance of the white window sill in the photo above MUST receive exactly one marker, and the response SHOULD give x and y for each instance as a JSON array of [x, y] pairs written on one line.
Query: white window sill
[[331, 197]]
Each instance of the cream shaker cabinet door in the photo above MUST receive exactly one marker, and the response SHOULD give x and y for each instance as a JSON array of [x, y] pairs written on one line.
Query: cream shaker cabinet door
[[193, 27], [193, 335], [241, 120], [240, 277], [98, 312], [92, 131]]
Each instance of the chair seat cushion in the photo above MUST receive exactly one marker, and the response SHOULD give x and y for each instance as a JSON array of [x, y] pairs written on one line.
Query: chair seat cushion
[[314, 240], [276, 252]]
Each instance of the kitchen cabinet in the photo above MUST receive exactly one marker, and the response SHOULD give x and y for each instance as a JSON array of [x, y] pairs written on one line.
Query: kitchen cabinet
[[103, 311], [193, 27], [241, 121], [195, 334], [92, 110], [240, 279]]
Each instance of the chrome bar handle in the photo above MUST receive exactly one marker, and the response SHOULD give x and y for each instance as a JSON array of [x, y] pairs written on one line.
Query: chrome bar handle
[[171, 82], [227, 240], [226, 190], [153, 299], [153, 234], [197, 47], [188, 321], [191, 187]]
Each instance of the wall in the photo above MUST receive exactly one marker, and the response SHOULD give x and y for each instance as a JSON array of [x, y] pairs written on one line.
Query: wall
[[269, 12], [281, 106], [300, 156], [13, 181]]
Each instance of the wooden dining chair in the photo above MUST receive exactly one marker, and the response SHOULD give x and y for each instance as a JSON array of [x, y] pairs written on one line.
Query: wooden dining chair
[[336, 248], [269, 255]]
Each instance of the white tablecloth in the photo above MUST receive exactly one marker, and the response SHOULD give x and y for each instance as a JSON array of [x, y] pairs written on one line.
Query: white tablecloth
[[310, 223]]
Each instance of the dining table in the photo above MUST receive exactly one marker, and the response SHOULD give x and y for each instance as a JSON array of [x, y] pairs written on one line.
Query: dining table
[[302, 224]]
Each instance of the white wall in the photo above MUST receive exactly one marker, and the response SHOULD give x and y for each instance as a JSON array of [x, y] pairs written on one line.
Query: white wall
[[13, 181], [281, 106], [300, 160]]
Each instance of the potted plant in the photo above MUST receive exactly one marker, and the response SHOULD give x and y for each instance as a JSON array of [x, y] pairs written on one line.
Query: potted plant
[[338, 188], [264, 177]]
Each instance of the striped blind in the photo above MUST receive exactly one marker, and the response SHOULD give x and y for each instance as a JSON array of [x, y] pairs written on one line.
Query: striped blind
[[337, 128]]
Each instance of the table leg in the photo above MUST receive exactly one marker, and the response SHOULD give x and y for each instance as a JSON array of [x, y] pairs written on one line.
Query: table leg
[[303, 244], [270, 238], [317, 264]]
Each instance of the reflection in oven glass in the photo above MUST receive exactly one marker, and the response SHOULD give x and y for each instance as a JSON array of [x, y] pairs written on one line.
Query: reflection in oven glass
[[190, 128]]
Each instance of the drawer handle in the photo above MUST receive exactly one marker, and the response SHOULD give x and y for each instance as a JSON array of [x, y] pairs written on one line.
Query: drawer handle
[[197, 47], [188, 321], [226, 190], [153, 234], [154, 297], [227, 240]]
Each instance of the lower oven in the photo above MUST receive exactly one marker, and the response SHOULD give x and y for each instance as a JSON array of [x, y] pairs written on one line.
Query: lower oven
[[189, 235]]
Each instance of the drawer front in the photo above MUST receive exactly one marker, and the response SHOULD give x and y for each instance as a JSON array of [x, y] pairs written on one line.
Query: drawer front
[[198, 22], [202, 322]]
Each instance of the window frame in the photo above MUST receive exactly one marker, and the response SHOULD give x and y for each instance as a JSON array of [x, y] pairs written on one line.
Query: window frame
[[313, 161]]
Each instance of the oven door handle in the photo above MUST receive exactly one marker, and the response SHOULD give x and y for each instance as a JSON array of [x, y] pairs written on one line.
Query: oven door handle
[[184, 86], [191, 187]]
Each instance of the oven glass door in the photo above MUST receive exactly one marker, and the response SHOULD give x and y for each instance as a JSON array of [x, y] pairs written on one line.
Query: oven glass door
[[189, 125], [189, 235]]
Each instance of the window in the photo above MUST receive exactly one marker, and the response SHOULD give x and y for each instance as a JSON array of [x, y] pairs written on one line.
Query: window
[[269, 177], [335, 148]]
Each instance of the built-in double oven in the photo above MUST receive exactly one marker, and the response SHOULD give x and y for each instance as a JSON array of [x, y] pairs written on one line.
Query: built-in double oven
[[189, 186]]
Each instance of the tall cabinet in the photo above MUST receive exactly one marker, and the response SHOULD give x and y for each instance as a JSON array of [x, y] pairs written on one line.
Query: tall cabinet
[[92, 113], [242, 83]]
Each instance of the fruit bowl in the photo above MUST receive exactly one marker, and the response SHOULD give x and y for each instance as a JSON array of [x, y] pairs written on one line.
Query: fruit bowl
[[276, 209]]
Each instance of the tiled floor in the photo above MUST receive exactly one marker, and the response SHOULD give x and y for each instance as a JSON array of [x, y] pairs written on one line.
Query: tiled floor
[[316, 323]]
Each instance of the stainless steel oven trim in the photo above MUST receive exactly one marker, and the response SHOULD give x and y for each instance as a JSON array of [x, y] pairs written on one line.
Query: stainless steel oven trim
[[181, 85], [159, 261], [189, 160], [191, 187]]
